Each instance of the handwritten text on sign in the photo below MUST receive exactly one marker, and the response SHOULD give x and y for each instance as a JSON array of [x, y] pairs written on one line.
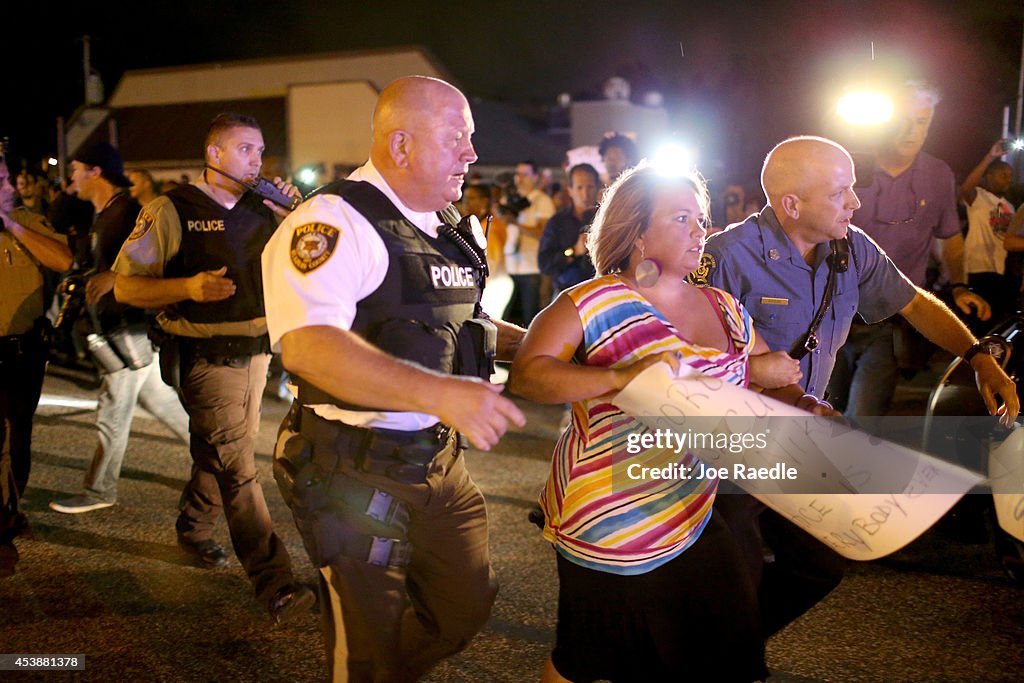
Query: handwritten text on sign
[[862, 496]]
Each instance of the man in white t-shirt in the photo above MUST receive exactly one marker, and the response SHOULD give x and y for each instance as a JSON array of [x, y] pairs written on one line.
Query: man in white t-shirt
[[524, 243]]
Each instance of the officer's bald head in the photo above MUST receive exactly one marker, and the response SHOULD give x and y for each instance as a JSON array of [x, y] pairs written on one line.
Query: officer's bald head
[[794, 165], [421, 141], [412, 103], [809, 183]]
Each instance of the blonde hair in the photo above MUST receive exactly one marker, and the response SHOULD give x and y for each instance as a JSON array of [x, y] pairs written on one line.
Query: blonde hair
[[625, 213]]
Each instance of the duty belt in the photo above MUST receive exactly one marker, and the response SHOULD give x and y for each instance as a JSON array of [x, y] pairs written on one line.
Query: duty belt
[[402, 456], [225, 347]]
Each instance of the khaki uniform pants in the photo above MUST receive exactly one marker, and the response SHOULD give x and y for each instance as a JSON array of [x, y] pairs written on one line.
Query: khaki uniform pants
[[223, 403], [388, 624]]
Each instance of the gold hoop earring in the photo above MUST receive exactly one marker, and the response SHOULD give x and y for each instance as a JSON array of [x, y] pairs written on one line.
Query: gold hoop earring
[[647, 271]]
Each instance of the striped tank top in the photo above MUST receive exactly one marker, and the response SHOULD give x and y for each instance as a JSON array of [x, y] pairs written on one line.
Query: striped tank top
[[600, 523]]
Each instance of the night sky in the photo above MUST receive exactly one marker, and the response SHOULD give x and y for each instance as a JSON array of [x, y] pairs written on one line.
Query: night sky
[[736, 76]]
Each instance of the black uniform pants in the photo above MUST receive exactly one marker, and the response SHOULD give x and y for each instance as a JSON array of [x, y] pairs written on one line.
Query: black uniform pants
[[21, 382], [804, 570]]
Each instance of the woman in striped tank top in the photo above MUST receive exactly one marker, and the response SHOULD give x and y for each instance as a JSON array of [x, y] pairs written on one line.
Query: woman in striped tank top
[[651, 583]]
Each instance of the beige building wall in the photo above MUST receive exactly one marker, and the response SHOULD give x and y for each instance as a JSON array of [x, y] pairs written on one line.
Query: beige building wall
[[266, 77], [329, 123], [592, 119]]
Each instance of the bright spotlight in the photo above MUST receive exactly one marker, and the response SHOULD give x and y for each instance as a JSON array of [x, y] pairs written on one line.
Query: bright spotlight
[[673, 159], [1017, 144], [865, 108], [307, 176], [51, 161]]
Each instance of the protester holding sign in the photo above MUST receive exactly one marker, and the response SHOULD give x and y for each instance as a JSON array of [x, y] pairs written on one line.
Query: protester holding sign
[[651, 583]]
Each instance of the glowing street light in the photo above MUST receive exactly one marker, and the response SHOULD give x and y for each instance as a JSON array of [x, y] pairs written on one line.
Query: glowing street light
[[865, 108], [307, 176], [673, 159], [51, 161]]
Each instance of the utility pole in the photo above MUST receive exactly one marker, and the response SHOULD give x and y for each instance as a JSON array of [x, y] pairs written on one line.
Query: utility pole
[[86, 69]]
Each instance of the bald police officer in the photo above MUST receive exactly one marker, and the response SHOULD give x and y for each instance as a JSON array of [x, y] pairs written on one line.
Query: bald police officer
[[370, 289], [27, 245], [195, 253], [779, 263]]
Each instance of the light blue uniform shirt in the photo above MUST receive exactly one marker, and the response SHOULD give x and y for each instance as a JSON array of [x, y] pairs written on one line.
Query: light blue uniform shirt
[[757, 263]]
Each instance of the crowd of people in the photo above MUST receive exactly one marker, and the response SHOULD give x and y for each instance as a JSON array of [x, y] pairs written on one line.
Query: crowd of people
[[191, 290]]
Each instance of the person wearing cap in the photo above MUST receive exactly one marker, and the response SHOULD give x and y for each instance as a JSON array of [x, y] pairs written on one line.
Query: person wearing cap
[[28, 245], [129, 377], [195, 253]]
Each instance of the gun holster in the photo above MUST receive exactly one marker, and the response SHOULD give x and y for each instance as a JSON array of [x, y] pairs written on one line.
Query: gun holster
[[295, 474], [170, 356]]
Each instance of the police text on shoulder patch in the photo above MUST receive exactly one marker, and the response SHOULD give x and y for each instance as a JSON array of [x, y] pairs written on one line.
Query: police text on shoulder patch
[[700, 276], [312, 245], [144, 222]]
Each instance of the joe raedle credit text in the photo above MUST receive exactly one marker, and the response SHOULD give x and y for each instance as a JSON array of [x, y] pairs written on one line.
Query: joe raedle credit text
[[662, 444]]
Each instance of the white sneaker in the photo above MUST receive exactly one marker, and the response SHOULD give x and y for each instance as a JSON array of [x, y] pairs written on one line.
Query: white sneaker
[[78, 504]]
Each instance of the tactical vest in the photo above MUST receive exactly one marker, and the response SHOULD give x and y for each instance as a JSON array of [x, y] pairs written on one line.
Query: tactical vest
[[430, 290], [212, 237]]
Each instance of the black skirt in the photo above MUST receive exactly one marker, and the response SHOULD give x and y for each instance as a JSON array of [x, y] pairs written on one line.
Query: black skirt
[[694, 618]]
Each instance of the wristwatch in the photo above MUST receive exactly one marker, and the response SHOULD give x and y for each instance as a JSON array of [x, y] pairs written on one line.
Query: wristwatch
[[987, 346]]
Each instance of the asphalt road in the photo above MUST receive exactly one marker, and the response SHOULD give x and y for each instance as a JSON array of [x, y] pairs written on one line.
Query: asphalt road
[[112, 585]]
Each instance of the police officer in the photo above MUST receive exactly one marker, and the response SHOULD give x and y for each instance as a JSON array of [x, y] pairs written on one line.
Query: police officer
[[27, 245], [195, 253], [370, 291], [779, 264]]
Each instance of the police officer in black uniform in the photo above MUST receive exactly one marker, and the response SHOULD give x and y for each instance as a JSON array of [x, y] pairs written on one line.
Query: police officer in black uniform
[[195, 253], [372, 293], [27, 245]]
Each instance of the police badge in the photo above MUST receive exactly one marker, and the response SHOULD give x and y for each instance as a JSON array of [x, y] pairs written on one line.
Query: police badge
[[700, 276], [312, 245]]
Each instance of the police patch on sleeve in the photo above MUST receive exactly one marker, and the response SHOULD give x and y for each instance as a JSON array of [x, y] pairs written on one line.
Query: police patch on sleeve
[[707, 265], [143, 224], [312, 245]]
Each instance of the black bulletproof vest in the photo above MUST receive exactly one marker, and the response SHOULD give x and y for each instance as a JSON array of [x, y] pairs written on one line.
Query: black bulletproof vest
[[212, 237], [431, 288]]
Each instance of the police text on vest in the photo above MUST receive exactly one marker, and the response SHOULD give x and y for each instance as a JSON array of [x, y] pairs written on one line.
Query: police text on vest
[[206, 226], [452, 276]]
